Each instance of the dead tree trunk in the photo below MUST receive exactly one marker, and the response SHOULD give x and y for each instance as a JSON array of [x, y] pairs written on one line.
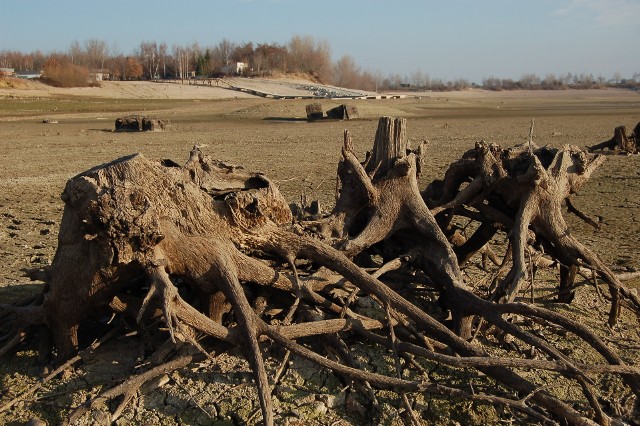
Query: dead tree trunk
[[620, 142], [380, 201]]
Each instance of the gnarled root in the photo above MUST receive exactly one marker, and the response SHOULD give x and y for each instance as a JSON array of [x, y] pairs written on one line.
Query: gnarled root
[[522, 190]]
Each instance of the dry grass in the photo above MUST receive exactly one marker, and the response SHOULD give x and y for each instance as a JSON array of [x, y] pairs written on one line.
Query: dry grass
[[66, 75], [13, 83]]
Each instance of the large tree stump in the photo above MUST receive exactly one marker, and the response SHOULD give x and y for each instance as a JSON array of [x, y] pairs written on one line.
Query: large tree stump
[[523, 189], [620, 142], [314, 111], [343, 112], [138, 123]]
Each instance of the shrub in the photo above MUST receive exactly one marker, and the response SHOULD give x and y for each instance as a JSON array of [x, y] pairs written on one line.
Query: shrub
[[65, 75]]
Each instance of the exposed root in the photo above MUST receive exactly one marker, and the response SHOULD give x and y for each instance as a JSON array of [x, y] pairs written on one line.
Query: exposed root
[[522, 189]]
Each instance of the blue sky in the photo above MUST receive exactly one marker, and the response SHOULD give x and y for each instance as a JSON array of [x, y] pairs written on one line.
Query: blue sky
[[471, 39]]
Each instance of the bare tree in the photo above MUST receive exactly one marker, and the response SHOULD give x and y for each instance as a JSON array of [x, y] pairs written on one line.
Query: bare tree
[[150, 58], [182, 57], [419, 79], [617, 77], [133, 68], [223, 51], [346, 72], [529, 81], [96, 52], [162, 51], [270, 57], [308, 56], [76, 53]]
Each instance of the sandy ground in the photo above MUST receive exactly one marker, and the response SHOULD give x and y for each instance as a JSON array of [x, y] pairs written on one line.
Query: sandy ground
[[271, 136], [200, 89], [127, 90]]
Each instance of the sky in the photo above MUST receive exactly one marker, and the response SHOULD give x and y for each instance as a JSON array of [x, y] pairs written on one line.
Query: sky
[[470, 39]]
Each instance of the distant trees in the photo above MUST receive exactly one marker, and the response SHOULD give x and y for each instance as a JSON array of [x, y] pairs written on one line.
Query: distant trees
[[22, 61], [96, 52], [203, 64], [269, 58], [529, 81], [559, 82], [149, 56], [301, 54], [223, 52], [133, 69], [346, 73], [182, 57], [92, 54], [306, 55]]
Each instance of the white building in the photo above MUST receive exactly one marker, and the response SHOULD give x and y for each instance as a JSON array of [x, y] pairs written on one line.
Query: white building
[[234, 68], [29, 74], [7, 72]]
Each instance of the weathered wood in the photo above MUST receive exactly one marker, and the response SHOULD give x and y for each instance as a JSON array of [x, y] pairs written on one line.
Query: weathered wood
[[138, 123], [390, 144], [343, 112], [525, 189], [620, 142], [314, 111]]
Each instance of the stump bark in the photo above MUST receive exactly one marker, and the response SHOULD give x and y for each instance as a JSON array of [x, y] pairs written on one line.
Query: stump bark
[[620, 142], [138, 123], [314, 111]]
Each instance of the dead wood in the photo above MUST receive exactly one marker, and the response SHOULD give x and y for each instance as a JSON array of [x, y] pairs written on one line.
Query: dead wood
[[138, 236], [523, 191], [343, 112], [139, 123], [620, 142]]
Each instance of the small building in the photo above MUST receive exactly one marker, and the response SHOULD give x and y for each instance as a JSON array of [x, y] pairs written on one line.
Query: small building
[[236, 68], [7, 72], [29, 74], [99, 75]]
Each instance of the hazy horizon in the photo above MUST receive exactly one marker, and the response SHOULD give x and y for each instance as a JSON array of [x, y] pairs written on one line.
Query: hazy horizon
[[461, 39]]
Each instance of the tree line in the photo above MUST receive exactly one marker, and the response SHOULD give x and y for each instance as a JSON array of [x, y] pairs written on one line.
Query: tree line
[[300, 55]]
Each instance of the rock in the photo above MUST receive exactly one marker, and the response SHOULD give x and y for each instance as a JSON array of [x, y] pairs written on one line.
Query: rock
[[155, 125], [334, 401]]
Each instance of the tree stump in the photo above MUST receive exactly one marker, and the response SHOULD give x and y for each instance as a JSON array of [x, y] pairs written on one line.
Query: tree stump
[[620, 142], [138, 123], [343, 112], [314, 111]]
